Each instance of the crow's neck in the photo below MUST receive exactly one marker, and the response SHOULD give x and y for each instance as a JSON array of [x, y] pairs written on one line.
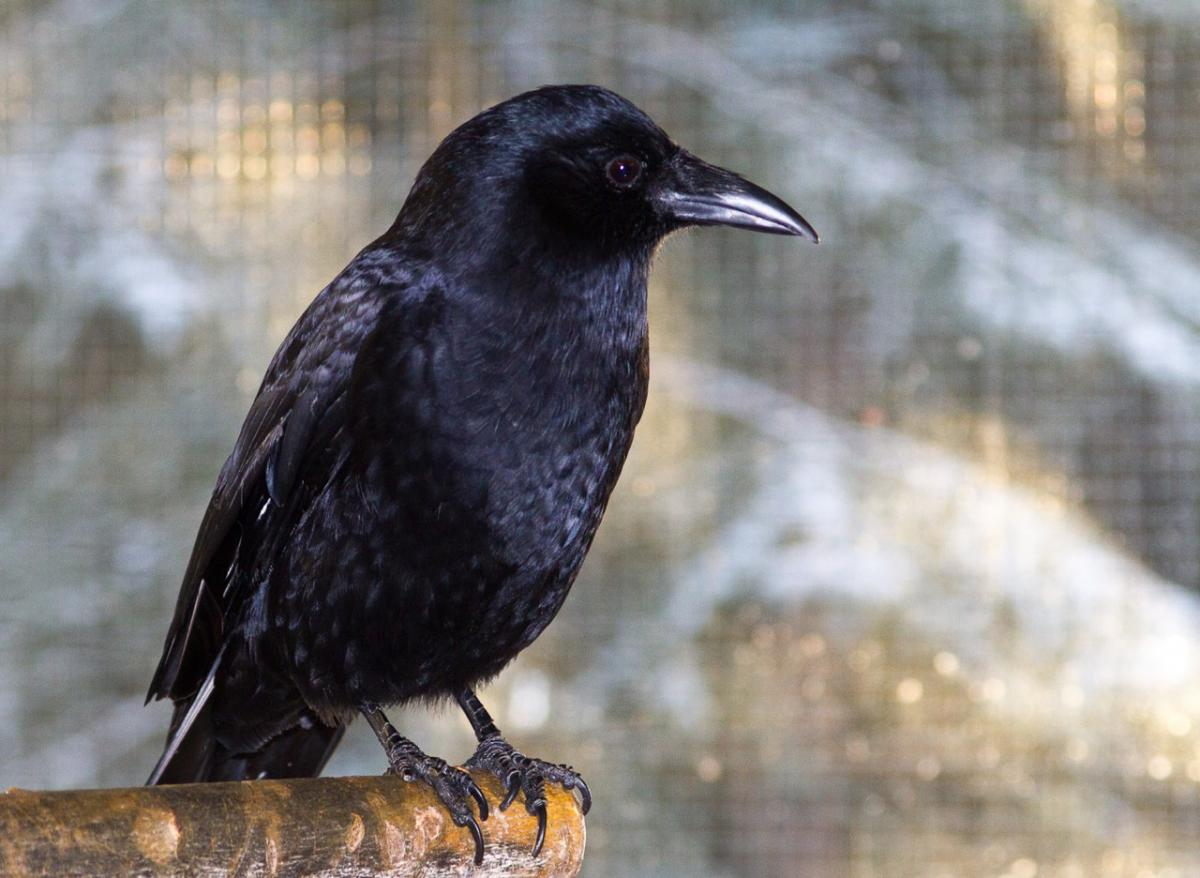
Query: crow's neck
[[562, 301]]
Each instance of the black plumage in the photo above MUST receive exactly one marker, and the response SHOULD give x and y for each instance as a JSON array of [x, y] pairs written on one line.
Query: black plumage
[[431, 451]]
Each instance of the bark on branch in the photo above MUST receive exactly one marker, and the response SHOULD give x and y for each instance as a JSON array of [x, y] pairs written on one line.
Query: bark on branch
[[327, 826]]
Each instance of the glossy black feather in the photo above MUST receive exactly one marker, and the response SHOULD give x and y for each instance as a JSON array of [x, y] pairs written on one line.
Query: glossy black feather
[[433, 446]]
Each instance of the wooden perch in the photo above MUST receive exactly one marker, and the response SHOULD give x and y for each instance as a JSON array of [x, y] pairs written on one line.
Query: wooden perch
[[327, 826]]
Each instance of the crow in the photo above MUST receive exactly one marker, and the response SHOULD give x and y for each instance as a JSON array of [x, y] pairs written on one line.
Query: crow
[[432, 448]]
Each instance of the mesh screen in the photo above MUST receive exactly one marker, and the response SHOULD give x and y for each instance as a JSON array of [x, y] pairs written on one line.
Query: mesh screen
[[900, 578]]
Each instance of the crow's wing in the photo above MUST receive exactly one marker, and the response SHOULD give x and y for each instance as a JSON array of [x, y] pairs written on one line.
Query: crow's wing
[[299, 410]]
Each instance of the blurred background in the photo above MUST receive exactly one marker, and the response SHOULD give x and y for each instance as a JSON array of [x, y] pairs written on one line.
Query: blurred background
[[901, 578]]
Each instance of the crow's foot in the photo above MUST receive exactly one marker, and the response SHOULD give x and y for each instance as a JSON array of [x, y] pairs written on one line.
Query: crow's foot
[[522, 774], [453, 786]]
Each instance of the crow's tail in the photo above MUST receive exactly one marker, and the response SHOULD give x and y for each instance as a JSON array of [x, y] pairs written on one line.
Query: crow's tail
[[193, 754]]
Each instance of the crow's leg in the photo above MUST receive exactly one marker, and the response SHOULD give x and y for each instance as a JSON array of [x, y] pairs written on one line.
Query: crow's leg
[[518, 772], [453, 785]]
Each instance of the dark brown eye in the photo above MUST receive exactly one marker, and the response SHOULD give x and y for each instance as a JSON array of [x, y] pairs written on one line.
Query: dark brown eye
[[624, 170]]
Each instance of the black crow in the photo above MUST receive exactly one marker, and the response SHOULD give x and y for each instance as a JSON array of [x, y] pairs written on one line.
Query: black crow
[[432, 449]]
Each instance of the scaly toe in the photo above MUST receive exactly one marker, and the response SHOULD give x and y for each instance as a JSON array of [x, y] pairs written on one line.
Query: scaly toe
[[453, 786], [528, 777]]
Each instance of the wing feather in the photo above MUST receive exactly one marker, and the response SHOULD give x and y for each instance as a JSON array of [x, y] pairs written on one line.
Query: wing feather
[[299, 406]]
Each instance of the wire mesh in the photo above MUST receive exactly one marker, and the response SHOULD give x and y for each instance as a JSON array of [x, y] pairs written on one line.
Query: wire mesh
[[900, 579]]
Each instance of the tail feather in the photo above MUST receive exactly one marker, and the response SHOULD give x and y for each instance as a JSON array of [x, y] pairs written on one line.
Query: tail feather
[[301, 751], [194, 755], [190, 742]]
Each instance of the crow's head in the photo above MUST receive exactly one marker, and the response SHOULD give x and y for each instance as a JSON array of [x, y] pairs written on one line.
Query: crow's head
[[580, 166]]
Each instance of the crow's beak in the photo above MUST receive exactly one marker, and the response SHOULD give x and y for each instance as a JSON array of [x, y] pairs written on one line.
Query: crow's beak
[[696, 193]]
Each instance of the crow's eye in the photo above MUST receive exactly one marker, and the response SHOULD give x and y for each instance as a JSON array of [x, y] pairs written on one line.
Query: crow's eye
[[624, 170]]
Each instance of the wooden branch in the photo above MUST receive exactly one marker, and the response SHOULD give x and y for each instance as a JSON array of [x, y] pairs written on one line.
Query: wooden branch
[[327, 826]]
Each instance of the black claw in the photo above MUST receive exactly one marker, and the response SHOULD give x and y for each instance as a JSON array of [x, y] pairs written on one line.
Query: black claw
[[585, 794], [480, 800], [514, 787], [540, 810], [473, 825], [521, 774]]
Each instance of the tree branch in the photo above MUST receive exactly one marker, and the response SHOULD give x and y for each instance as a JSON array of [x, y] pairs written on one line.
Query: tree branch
[[326, 826]]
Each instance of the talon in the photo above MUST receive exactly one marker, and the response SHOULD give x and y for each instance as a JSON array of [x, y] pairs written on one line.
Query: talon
[[514, 787], [480, 799], [541, 833], [519, 773], [585, 794], [473, 825]]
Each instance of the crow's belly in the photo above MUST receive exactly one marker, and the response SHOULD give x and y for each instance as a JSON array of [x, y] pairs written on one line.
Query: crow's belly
[[387, 607]]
